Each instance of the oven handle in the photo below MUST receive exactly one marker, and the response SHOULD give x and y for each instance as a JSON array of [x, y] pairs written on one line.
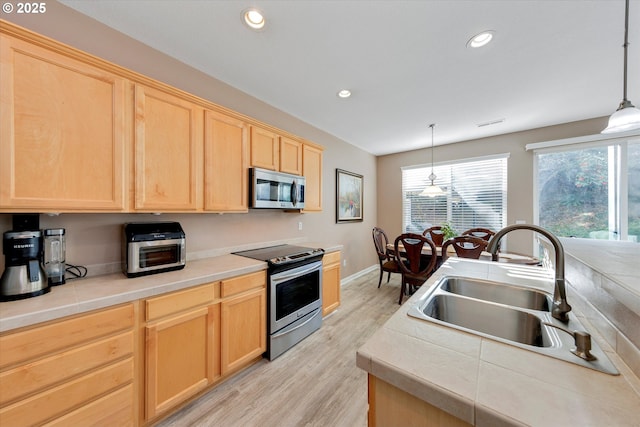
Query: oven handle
[[296, 272], [288, 331]]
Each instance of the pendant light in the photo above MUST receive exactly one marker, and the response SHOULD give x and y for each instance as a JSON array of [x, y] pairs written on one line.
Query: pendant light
[[626, 117], [432, 190]]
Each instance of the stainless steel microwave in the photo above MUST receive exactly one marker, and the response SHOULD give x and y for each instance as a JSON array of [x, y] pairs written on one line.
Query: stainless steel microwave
[[153, 247], [276, 190]]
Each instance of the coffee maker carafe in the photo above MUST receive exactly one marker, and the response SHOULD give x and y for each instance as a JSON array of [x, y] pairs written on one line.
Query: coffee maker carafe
[[54, 255], [23, 275]]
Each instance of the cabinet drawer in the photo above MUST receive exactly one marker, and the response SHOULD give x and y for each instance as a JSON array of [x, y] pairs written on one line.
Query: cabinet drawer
[[179, 301], [58, 400], [22, 346], [331, 258], [114, 409], [236, 285], [28, 379]]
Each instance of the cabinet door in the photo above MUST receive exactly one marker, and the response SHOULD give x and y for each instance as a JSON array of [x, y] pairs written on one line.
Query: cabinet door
[[62, 132], [243, 335], [181, 358], [168, 152], [264, 149], [330, 282], [290, 156], [225, 163], [312, 170]]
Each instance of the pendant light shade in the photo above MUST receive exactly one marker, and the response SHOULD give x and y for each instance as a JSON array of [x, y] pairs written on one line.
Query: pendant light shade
[[626, 117], [432, 190]]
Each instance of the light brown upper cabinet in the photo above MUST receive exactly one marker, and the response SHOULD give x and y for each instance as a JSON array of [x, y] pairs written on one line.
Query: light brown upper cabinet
[[274, 152], [312, 171], [62, 132], [225, 163], [81, 134], [290, 156], [264, 149], [168, 152]]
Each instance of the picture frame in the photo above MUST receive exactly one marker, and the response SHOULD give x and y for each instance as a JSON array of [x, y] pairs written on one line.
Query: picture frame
[[349, 196]]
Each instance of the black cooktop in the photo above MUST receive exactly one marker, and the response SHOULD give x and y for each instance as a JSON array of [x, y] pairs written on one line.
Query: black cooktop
[[281, 254]]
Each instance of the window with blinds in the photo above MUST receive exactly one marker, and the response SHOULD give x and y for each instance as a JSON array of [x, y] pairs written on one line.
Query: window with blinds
[[475, 195]]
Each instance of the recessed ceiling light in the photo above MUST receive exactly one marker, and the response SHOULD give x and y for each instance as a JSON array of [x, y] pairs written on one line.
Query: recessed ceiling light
[[253, 18], [344, 93], [481, 39]]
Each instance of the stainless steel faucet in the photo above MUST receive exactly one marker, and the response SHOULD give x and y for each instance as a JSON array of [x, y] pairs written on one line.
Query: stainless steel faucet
[[560, 307]]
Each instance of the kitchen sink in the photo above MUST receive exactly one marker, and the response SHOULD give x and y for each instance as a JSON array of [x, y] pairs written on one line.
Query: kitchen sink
[[491, 319], [508, 313], [497, 292]]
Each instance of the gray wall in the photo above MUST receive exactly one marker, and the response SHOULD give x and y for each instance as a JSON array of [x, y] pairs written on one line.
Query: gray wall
[[95, 238], [520, 173]]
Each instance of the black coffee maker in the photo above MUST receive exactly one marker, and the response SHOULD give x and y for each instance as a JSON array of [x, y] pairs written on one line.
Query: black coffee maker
[[23, 275]]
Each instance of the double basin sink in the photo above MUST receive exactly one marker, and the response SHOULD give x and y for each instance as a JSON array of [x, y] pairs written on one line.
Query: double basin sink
[[514, 315]]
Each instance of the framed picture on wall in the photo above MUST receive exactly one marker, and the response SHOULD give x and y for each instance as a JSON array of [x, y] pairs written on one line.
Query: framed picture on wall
[[349, 188]]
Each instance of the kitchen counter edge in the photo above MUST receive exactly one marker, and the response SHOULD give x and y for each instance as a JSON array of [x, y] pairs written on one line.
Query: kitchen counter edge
[[93, 293]]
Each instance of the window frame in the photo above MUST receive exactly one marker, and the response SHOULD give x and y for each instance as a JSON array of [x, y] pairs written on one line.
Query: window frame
[[617, 147], [447, 186]]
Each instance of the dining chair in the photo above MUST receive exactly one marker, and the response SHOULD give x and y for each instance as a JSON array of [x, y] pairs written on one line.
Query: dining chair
[[483, 233], [415, 267], [386, 257], [435, 234], [465, 247]]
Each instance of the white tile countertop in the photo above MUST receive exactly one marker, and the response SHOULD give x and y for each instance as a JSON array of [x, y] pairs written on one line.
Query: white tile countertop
[[617, 261], [91, 293], [487, 383]]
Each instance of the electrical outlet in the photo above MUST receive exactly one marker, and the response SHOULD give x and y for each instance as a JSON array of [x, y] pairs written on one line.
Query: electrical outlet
[[344, 262], [300, 225]]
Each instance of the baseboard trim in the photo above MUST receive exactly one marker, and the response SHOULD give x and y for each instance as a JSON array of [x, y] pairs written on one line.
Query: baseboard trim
[[358, 274]]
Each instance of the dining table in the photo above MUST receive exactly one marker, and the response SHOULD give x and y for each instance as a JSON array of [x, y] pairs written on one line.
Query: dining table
[[510, 257]]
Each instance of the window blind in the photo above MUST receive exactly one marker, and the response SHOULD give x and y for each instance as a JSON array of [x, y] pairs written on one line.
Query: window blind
[[476, 195]]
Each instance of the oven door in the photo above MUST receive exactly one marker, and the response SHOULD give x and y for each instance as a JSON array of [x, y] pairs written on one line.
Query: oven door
[[294, 293]]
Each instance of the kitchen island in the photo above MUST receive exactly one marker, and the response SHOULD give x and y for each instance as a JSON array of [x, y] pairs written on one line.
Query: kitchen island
[[465, 379]]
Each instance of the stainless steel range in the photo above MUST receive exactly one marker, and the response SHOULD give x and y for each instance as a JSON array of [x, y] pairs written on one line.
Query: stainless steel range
[[294, 294]]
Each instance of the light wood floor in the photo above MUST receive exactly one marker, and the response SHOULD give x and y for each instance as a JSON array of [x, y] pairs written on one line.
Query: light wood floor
[[316, 383]]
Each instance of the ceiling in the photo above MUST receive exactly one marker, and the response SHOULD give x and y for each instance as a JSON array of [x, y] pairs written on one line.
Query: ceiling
[[405, 62]]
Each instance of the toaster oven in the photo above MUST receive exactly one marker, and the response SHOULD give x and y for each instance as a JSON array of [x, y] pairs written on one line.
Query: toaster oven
[[153, 247]]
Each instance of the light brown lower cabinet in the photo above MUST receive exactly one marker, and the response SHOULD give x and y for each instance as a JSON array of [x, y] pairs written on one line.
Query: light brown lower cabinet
[[181, 347], [391, 406], [196, 336], [135, 363], [330, 282], [75, 371], [243, 320]]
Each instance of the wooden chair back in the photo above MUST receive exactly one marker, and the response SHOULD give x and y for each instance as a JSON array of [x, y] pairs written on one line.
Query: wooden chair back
[[465, 247], [435, 234], [386, 256], [380, 240], [414, 266], [483, 233]]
